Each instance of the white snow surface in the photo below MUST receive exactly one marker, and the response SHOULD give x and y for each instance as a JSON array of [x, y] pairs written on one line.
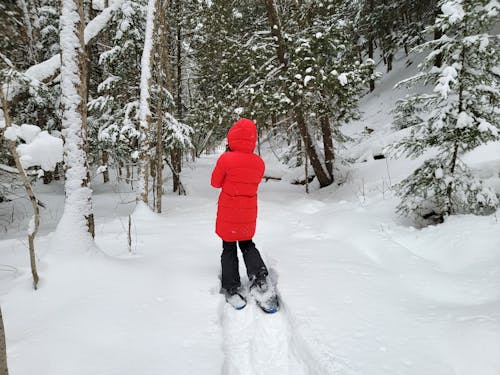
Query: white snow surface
[[362, 291]]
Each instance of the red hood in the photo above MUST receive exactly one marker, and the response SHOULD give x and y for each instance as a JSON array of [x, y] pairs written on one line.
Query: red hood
[[242, 136]]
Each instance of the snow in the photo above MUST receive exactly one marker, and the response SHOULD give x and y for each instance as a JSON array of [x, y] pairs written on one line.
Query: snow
[[307, 78], [11, 133], [44, 150], [464, 120], [439, 173], [363, 292], [448, 75], [342, 79], [454, 10]]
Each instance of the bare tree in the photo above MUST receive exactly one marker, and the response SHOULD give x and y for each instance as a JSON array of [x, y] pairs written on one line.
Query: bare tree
[[34, 224]]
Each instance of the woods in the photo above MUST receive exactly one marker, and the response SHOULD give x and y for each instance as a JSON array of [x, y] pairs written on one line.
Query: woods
[[298, 68], [378, 122], [146, 85]]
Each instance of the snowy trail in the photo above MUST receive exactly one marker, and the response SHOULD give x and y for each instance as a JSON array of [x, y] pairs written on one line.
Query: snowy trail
[[361, 294], [258, 344]]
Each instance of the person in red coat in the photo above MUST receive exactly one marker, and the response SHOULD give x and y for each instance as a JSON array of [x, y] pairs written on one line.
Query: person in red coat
[[238, 172]]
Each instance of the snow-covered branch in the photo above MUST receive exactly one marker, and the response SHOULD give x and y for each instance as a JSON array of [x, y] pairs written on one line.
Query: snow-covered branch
[[48, 68]]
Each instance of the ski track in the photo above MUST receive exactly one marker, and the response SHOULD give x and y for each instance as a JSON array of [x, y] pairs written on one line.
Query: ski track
[[256, 343]]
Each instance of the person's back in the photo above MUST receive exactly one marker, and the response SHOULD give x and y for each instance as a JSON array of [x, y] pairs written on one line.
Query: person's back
[[239, 172]]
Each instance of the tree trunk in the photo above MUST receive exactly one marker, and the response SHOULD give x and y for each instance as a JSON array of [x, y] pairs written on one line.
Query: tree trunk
[[144, 111], [74, 119], [299, 152], [3, 348], [33, 229], [176, 159], [321, 175], [176, 153], [162, 43], [276, 32], [389, 59], [105, 163], [29, 30], [438, 33], [327, 145], [370, 46], [370, 55]]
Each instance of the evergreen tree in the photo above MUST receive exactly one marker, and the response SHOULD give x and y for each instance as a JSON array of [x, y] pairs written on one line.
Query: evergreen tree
[[459, 115], [113, 109]]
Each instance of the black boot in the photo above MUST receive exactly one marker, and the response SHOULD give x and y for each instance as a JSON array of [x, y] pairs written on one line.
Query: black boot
[[256, 269]]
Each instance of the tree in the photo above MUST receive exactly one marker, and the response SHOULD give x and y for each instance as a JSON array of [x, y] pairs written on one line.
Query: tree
[[35, 221], [459, 115], [144, 109], [78, 213], [3, 349], [114, 106], [321, 89]]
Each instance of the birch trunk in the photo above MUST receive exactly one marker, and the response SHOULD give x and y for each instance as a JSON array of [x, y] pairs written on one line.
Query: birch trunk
[[78, 205], [144, 111]]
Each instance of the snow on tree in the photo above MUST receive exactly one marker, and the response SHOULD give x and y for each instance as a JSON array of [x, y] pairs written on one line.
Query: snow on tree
[[144, 111], [39, 149], [113, 109], [77, 217], [460, 113]]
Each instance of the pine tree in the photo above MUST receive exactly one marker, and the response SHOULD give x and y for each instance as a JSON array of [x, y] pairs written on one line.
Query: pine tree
[[113, 109], [459, 115]]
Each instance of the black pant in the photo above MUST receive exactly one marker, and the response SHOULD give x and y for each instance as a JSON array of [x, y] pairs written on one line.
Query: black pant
[[256, 268]]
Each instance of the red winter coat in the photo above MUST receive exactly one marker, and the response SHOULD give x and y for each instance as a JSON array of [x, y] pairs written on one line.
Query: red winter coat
[[238, 173]]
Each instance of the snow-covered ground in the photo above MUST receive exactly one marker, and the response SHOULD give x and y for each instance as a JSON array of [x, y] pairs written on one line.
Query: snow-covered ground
[[363, 292]]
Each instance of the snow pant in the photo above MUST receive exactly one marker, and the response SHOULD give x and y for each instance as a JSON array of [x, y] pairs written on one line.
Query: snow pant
[[256, 268]]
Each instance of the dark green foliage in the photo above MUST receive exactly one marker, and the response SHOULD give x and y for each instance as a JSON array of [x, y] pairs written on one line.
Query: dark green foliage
[[460, 114]]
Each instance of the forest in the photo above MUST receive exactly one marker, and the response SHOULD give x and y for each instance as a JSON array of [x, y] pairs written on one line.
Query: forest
[[378, 122]]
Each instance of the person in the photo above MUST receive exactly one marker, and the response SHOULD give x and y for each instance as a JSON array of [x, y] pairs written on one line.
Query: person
[[238, 172]]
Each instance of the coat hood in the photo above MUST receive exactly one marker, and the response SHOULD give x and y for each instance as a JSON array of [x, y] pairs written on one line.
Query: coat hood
[[242, 136]]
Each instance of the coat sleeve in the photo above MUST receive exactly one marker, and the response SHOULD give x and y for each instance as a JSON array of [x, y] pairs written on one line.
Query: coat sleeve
[[219, 173]]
